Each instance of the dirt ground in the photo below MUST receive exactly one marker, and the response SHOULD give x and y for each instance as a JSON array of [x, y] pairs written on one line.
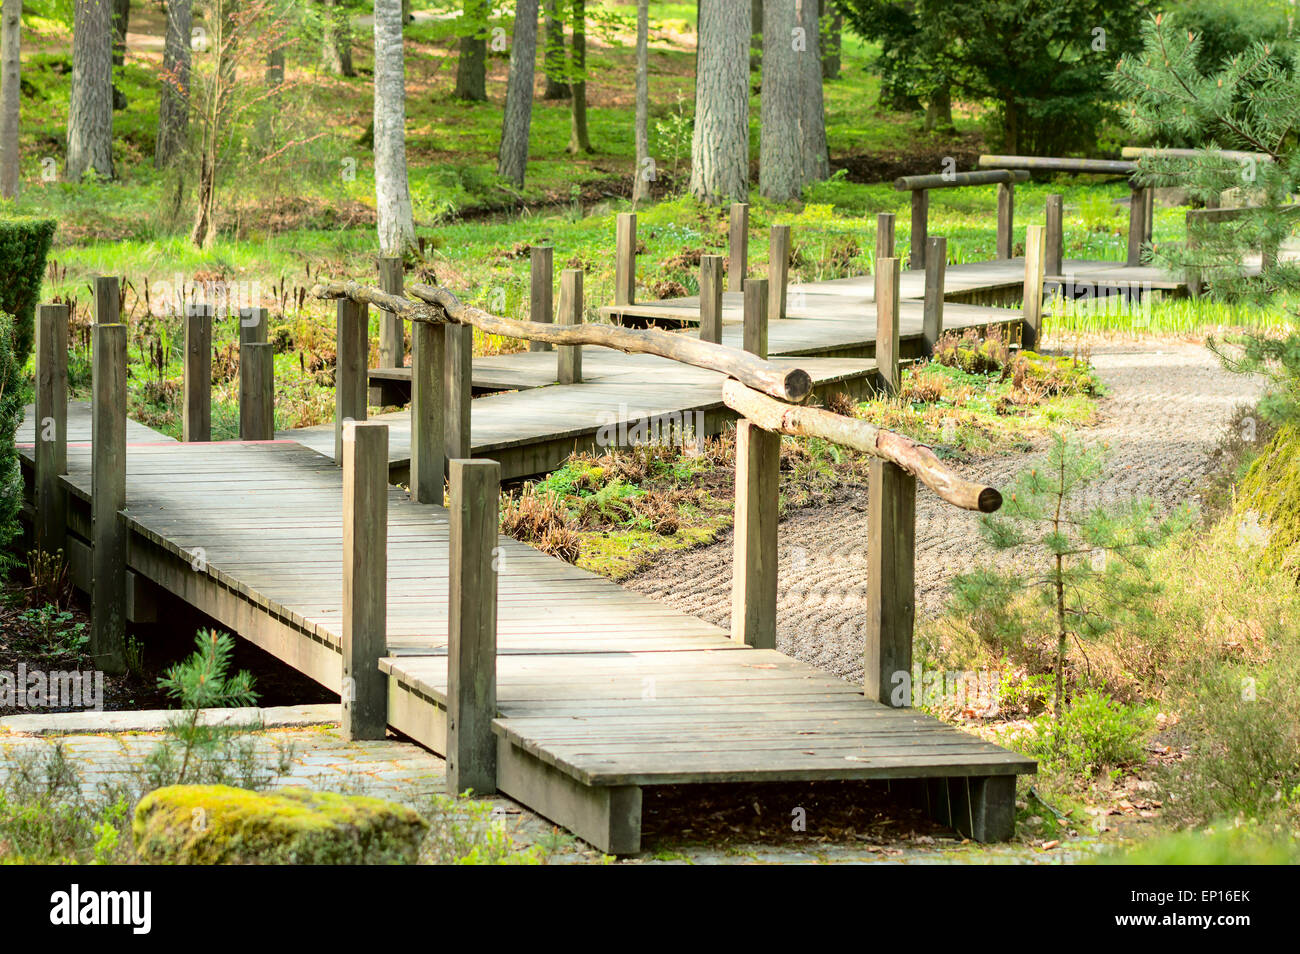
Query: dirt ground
[[1166, 407]]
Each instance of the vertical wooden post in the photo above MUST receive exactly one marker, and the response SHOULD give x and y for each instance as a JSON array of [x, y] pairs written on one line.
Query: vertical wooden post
[[778, 270], [569, 357], [936, 265], [884, 238], [51, 438], [458, 388], [711, 298], [887, 339], [920, 227], [472, 627], [364, 688], [891, 607], [1149, 214], [1006, 219], [625, 259], [541, 289], [755, 329], [1054, 252], [738, 237], [392, 334], [1193, 277], [108, 302], [1032, 311], [254, 326], [107, 499], [1137, 213], [352, 349], [753, 582], [257, 392], [197, 420], [428, 454]]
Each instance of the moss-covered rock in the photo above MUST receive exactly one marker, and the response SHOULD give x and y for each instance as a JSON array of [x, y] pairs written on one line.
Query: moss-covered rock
[[1268, 500], [217, 824]]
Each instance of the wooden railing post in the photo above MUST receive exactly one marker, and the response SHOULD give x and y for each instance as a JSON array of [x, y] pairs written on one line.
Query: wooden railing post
[[884, 238], [196, 424], [569, 357], [108, 301], [753, 586], [51, 439], [625, 259], [711, 298], [254, 326], [1032, 310], [738, 237], [1193, 276], [472, 627], [392, 336], [778, 270], [887, 338], [107, 499], [891, 606], [1054, 251], [352, 350], [755, 328], [428, 407], [1137, 224], [364, 688], [1006, 219], [936, 265], [257, 392], [920, 227], [541, 290], [458, 388]]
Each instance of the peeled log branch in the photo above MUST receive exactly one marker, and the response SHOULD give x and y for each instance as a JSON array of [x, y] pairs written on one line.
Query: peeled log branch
[[440, 306], [916, 459]]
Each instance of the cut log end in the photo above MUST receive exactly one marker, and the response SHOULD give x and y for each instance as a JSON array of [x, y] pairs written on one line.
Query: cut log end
[[798, 385], [989, 500]]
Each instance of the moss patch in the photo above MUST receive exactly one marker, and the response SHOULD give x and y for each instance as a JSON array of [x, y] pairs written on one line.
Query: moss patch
[[1268, 500]]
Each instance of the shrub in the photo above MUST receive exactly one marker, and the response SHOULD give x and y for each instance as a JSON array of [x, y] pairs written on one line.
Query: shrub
[[1268, 498], [24, 243], [972, 353], [1222, 844], [1095, 734], [13, 397]]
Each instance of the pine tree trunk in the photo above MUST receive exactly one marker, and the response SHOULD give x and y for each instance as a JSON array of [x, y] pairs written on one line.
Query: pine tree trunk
[[173, 98], [1010, 127], [644, 169], [812, 117], [938, 111], [579, 141], [90, 113], [512, 160], [471, 64], [392, 191], [780, 157], [556, 87], [336, 48], [720, 144], [121, 20], [832, 35], [275, 68], [10, 100]]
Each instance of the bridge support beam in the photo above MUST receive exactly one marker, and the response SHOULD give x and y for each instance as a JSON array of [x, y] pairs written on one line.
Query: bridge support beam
[[891, 587], [107, 499], [364, 689]]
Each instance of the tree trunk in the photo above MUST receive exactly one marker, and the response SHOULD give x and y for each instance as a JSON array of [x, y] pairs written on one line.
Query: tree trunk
[[780, 158], [579, 141], [471, 64], [10, 99], [755, 35], [645, 170], [203, 234], [938, 111], [173, 98], [275, 68], [720, 144], [512, 160], [121, 19], [556, 87], [812, 117], [392, 192], [832, 35], [336, 50], [90, 113], [1010, 127]]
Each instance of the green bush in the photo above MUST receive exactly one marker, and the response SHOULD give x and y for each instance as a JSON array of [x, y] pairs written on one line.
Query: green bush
[[1094, 734], [24, 243], [13, 397], [1226, 845]]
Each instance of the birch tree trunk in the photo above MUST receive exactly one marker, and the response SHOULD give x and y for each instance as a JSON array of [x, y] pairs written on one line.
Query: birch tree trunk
[[10, 40], [512, 159], [780, 154], [90, 113], [556, 87], [471, 64], [174, 96], [579, 140], [720, 144], [644, 165], [812, 117], [392, 191]]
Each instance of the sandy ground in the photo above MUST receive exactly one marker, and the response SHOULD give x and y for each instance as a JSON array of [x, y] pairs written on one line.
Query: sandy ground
[[1167, 405]]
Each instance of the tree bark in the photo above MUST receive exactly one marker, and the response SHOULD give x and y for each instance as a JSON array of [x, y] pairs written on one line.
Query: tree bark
[[812, 117], [642, 177], [579, 141], [720, 144], [173, 97], [512, 159], [832, 38], [121, 20], [10, 95], [556, 87], [336, 49], [780, 159], [90, 113], [392, 192], [471, 64]]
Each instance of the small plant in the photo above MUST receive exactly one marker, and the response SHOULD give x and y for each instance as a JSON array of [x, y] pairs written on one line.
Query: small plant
[[1095, 733], [49, 577], [56, 634], [464, 831]]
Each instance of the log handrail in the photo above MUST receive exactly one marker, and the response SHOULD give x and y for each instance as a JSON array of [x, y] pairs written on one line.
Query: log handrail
[[1059, 164], [955, 180]]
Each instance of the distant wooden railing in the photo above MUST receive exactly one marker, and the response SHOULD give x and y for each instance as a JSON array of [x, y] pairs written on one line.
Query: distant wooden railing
[[920, 187]]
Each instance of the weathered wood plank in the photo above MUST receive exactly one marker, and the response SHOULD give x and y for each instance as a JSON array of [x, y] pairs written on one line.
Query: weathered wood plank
[[891, 588], [365, 580], [753, 586], [196, 414], [108, 498], [738, 246], [541, 289], [778, 270], [569, 357], [711, 298]]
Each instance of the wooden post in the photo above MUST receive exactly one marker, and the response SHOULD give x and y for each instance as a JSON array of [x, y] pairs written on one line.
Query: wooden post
[[364, 689], [625, 259], [541, 289], [196, 424], [392, 336], [755, 329], [352, 349], [1054, 252], [1193, 277], [884, 238], [51, 437], [711, 298], [1032, 311], [738, 235], [108, 301], [257, 392], [472, 627], [1006, 219], [1137, 213], [569, 357], [458, 389], [887, 339], [428, 454], [891, 607], [936, 265], [920, 227], [107, 499], [778, 270], [254, 326], [753, 581], [1149, 213]]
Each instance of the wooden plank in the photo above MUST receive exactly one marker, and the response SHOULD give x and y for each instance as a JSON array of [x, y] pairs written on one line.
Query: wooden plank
[[458, 388], [428, 454], [624, 259], [920, 228], [108, 490], [753, 585], [738, 246], [884, 239], [936, 264], [711, 298], [1006, 220], [196, 413], [778, 270], [1032, 310], [1054, 249], [756, 305], [365, 580], [569, 357], [50, 434], [887, 325], [541, 288], [257, 391], [352, 347], [891, 590]]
